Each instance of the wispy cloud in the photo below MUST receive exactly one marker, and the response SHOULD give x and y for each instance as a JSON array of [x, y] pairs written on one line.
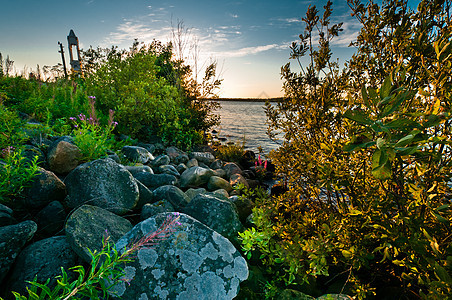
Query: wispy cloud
[[245, 51], [234, 16]]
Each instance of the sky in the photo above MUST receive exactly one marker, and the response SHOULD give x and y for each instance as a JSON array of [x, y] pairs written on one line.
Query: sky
[[249, 39]]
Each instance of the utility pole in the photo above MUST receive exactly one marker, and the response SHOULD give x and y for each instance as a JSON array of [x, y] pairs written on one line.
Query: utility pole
[[62, 57]]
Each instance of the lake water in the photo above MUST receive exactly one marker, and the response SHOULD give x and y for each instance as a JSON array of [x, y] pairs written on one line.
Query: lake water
[[245, 120]]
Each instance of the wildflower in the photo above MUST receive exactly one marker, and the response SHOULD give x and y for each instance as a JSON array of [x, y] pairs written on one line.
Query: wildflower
[[92, 97], [72, 119]]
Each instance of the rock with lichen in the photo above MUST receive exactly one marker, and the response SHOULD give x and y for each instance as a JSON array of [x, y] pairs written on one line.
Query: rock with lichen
[[194, 262]]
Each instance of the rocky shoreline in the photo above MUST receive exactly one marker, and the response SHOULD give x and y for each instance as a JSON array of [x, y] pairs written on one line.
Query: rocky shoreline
[[71, 205]]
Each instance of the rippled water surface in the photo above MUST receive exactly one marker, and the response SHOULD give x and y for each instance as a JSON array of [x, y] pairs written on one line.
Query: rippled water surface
[[245, 119]]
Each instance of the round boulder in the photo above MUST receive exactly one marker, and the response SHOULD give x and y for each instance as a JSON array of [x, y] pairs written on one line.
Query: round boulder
[[63, 157], [195, 177], [193, 262], [102, 183]]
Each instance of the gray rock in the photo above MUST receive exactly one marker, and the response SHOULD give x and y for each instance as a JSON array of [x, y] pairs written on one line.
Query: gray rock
[[192, 193], [137, 154], [289, 294], [63, 157], [88, 225], [194, 262], [160, 161], [102, 183], [220, 173], [181, 168], [146, 195], [169, 169], [217, 164], [244, 207], [204, 157], [6, 216], [153, 181], [150, 210], [216, 183], [176, 155], [192, 163], [114, 157], [51, 219], [45, 188], [231, 168], [12, 239], [238, 178], [221, 194], [220, 215], [173, 194], [195, 177], [149, 147], [43, 259], [138, 169]]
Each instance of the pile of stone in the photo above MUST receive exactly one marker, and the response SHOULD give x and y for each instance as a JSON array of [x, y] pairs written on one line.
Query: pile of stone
[[71, 206]]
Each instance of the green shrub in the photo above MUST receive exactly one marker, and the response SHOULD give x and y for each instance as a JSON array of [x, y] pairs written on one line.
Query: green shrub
[[366, 156], [16, 173], [11, 129]]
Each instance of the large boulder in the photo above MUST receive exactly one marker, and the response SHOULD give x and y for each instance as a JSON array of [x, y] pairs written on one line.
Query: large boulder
[[45, 188], [6, 216], [63, 157], [146, 195], [51, 219], [169, 169], [173, 194], [177, 156], [150, 210], [204, 157], [235, 179], [231, 168], [195, 177], [88, 225], [137, 154], [216, 183], [194, 262], [220, 215], [12, 239], [43, 259], [138, 169], [160, 161], [153, 181], [102, 183]]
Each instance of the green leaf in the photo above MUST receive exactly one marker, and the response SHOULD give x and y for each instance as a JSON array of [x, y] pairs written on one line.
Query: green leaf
[[365, 96], [385, 89], [381, 165], [358, 116], [442, 274], [397, 102]]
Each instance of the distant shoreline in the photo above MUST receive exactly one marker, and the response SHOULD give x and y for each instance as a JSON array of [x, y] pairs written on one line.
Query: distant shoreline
[[248, 99]]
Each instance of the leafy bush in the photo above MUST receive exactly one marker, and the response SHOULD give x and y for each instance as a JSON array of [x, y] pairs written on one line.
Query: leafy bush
[[141, 85], [366, 156], [11, 131], [15, 174]]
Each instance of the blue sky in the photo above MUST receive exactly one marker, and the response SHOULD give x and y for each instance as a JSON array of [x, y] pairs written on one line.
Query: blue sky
[[249, 39]]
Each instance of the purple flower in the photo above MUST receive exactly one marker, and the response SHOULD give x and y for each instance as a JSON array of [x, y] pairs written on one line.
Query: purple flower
[[92, 97], [72, 118]]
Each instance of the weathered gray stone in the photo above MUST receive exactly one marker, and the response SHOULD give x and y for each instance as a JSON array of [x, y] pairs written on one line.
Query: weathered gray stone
[[173, 194], [204, 157], [138, 169], [43, 259], [102, 183], [231, 168], [191, 193], [150, 210], [146, 195], [220, 215], [220, 173], [6, 216], [289, 294], [176, 155], [181, 168], [169, 169], [244, 207], [217, 164], [51, 219], [63, 157], [45, 188], [153, 181], [238, 178], [137, 154], [88, 225], [160, 161], [216, 183], [192, 163], [12, 239], [221, 194], [194, 262], [149, 147], [195, 177]]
